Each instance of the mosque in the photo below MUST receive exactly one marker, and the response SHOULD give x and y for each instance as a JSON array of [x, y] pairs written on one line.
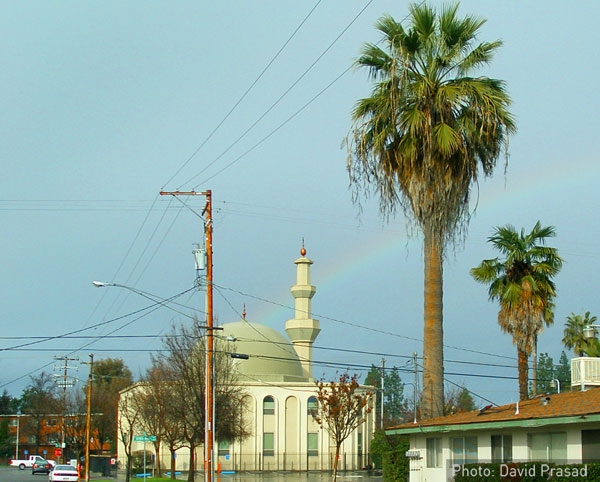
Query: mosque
[[280, 394]]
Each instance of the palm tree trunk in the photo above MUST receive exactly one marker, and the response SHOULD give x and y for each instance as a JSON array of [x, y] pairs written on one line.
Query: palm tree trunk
[[523, 379], [534, 367], [433, 348]]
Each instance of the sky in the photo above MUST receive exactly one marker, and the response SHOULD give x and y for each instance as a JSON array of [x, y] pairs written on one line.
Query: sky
[[105, 104]]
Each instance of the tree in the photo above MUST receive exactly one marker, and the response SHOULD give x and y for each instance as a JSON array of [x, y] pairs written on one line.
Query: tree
[[341, 408], [422, 139], [522, 283], [185, 357], [8, 404], [545, 376], [563, 371], [75, 425], [573, 334], [128, 423], [395, 407], [38, 400], [109, 376], [459, 400], [549, 373]]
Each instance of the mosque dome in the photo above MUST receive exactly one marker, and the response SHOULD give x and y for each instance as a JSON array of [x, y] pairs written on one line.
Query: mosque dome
[[271, 355]]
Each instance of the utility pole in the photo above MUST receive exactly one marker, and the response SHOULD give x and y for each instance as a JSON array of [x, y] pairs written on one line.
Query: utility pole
[[209, 369], [382, 389], [416, 384], [88, 420], [64, 382]]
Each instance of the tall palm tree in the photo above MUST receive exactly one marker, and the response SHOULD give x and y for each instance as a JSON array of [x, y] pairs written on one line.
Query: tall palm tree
[[522, 282], [423, 138], [573, 332]]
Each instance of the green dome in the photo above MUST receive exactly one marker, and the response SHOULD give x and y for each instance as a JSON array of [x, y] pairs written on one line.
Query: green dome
[[271, 355]]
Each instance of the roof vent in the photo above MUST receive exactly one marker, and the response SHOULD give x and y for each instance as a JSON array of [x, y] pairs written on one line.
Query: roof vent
[[545, 400], [484, 409]]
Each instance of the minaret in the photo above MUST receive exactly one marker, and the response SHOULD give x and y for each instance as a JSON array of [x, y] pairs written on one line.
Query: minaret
[[303, 330]]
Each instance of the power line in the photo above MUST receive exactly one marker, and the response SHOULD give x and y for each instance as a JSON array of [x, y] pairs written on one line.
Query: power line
[[239, 101], [279, 99]]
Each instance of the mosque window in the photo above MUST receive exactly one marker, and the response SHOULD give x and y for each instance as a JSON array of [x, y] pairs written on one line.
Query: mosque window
[[268, 405], [312, 444], [268, 444], [312, 405], [224, 448]]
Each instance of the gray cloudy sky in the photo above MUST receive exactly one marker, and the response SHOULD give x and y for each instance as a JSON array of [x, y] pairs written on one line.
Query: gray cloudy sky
[[104, 104]]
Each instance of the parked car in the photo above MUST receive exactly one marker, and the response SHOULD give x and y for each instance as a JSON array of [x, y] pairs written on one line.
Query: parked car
[[63, 473], [41, 467], [28, 462]]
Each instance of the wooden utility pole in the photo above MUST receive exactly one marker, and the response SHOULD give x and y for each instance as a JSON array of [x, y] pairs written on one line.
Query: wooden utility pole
[[64, 382], [88, 420], [209, 369]]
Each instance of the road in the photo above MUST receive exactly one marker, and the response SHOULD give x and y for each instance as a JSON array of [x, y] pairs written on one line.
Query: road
[[13, 474]]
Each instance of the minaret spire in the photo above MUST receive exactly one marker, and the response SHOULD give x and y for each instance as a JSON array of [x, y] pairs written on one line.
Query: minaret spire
[[302, 329]]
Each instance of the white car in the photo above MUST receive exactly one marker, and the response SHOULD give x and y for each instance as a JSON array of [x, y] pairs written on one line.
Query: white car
[[63, 473]]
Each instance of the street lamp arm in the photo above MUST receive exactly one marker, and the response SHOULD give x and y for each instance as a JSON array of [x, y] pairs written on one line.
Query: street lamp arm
[[149, 296]]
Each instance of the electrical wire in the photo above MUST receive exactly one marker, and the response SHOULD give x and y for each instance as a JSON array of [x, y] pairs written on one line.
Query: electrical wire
[[281, 97], [243, 96]]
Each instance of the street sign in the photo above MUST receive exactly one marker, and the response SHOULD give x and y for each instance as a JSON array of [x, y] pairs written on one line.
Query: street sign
[[144, 438]]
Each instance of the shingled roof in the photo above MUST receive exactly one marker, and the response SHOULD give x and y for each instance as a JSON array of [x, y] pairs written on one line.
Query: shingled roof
[[567, 407]]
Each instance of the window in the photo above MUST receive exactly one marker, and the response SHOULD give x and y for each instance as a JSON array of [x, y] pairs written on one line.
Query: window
[[434, 452], [590, 446], [12, 422], [268, 405], [312, 405], [359, 443], [224, 448], [464, 450], [501, 449], [312, 444], [547, 447], [268, 444]]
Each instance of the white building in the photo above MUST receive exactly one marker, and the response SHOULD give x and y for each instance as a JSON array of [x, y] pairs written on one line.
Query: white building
[[561, 429], [281, 392]]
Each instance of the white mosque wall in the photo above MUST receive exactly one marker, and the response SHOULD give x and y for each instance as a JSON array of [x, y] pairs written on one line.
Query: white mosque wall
[[288, 424]]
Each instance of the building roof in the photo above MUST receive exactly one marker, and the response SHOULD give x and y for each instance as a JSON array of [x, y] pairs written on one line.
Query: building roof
[[567, 407], [272, 357]]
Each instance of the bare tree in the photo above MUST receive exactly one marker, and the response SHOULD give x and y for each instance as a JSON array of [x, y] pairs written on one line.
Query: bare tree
[[75, 421], [185, 359], [128, 422], [110, 375], [341, 408], [40, 400]]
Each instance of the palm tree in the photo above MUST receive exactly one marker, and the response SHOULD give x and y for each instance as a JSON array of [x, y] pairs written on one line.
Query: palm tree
[[421, 141], [573, 332], [522, 283]]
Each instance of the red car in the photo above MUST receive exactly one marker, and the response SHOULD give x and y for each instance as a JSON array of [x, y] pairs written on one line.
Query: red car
[[41, 467]]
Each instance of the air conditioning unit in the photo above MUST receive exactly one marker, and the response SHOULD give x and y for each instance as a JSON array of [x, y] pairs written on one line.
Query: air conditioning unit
[[585, 371]]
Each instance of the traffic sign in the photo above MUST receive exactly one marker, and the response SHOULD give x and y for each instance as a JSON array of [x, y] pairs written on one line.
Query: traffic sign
[[144, 438]]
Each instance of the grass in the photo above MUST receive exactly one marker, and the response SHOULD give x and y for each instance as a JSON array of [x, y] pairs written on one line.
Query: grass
[[153, 479]]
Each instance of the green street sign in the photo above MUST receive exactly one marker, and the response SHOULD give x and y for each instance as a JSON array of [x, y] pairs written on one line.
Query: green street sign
[[144, 438]]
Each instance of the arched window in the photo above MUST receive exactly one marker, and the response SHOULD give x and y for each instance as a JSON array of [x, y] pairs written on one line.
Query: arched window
[[268, 405], [312, 405]]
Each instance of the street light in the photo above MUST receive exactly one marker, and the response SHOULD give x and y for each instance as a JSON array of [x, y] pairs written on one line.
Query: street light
[[157, 300], [555, 383], [590, 331], [18, 427]]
